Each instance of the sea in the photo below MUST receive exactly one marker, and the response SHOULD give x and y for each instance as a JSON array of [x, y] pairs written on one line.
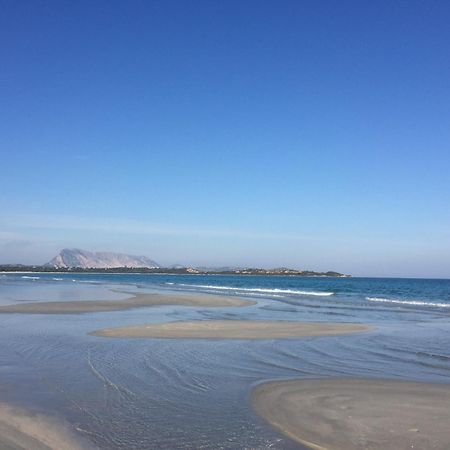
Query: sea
[[196, 394]]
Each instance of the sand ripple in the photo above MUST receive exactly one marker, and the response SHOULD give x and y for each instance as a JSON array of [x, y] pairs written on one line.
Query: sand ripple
[[346, 414]]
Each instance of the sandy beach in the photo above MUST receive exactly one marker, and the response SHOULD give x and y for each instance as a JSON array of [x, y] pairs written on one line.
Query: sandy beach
[[232, 329], [345, 414], [21, 429], [138, 301]]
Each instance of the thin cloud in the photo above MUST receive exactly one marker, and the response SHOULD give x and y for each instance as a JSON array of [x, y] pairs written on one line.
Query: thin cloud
[[77, 223]]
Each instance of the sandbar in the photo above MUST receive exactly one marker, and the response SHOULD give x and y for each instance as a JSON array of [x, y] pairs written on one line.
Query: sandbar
[[22, 429], [138, 301], [346, 414], [231, 329]]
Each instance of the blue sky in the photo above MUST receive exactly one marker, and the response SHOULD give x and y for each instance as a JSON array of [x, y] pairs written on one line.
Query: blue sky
[[311, 134]]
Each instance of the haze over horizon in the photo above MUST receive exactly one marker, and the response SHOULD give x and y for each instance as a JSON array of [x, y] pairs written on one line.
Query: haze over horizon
[[306, 134]]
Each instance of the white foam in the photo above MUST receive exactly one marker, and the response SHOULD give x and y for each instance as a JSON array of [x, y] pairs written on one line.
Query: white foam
[[408, 302], [31, 278], [263, 290], [57, 279], [255, 294]]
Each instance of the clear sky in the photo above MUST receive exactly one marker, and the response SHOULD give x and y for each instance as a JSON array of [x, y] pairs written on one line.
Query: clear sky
[[311, 134]]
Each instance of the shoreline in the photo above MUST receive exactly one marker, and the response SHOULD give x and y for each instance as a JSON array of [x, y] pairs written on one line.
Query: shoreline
[[231, 329], [354, 413], [136, 301], [25, 429]]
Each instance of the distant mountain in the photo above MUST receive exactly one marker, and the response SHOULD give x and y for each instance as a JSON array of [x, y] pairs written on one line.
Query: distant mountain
[[74, 257]]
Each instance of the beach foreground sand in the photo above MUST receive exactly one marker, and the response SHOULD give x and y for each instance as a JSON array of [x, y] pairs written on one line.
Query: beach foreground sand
[[345, 414], [138, 301], [26, 430], [231, 329]]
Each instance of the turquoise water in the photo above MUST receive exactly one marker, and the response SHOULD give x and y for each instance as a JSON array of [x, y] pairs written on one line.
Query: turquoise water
[[169, 394]]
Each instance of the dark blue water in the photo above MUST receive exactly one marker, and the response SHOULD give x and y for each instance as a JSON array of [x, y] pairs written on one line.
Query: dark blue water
[[138, 393], [397, 291]]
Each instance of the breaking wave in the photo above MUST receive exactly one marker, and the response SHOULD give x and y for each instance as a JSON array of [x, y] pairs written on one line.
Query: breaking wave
[[408, 302], [259, 290]]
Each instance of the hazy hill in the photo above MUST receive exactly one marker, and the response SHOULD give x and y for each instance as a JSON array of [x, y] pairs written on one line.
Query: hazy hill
[[75, 257]]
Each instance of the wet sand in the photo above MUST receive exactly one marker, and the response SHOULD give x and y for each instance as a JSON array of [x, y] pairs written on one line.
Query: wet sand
[[231, 329], [346, 414], [138, 301], [26, 430]]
